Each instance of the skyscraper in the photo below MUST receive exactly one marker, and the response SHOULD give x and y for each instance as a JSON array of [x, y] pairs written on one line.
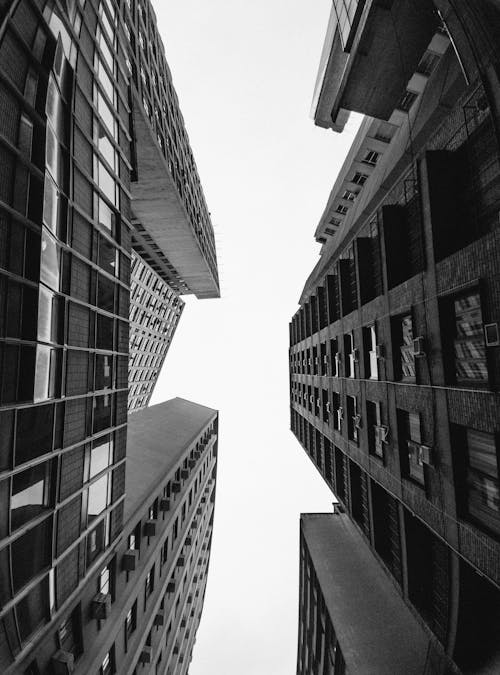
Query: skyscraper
[[394, 350], [84, 90]]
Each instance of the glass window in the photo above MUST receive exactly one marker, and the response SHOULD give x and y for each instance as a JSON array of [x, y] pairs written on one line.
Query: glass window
[[102, 413], [106, 147], [410, 440], [370, 352], [108, 256], [406, 347], [33, 610], [100, 455], [104, 581], [98, 497], [48, 373], [469, 347], [31, 553], [107, 216], [106, 183], [105, 293], [49, 265], [106, 114], [96, 541], [30, 494], [104, 332], [105, 80], [483, 495], [103, 371], [34, 432]]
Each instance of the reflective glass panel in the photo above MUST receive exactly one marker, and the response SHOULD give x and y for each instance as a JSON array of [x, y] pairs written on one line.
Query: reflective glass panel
[[100, 455], [29, 494], [98, 497]]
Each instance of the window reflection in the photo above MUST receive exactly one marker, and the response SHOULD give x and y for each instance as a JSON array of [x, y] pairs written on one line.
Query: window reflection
[[48, 373], [106, 183], [106, 147], [49, 267], [98, 497], [106, 215], [103, 371], [108, 256], [106, 114], [100, 455], [30, 494]]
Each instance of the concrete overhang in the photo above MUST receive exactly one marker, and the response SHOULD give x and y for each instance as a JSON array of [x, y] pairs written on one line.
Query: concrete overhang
[[390, 39], [158, 206]]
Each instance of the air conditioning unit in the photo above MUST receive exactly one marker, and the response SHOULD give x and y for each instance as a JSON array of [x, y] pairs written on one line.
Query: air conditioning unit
[[145, 655], [184, 474], [326, 359], [175, 650], [355, 355], [316, 361], [357, 421], [426, 455], [421, 454], [318, 403], [129, 560], [419, 346], [199, 511], [180, 561], [159, 619], [149, 528], [340, 413], [171, 587], [491, 335], [382, 434], [63, 663], [311, 399], [380, 352], [183, 623], [101, 606], [191, 463], [328, 410], [176, 486], [164, 504], [188, 540]]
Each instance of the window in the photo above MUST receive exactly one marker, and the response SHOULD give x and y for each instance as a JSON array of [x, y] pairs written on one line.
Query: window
[[469, 350], [373, 424], [410, 446], [149, 584], [134, 539], [335, 357], [107, 666], [371, 157], [359, 178], [370, 352], [407, 100], [477, 476], [404, 362], [101, 455], [350, 356], [349, 195], [103, 371], [337, 411], [130, 623], [99, 497], [353, 419], [31, 554], [342, 209], [30, 494], [103, 584]]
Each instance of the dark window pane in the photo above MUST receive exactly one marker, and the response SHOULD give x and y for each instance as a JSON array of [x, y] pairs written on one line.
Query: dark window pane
[[102, 413], [30, 494], [31, 553], [105, 294], [34, 432], [103, 371], [33, 610], [104, 332]]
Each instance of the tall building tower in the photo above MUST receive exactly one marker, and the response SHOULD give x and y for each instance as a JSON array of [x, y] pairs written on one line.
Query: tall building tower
[[75, 121], [394, 352]]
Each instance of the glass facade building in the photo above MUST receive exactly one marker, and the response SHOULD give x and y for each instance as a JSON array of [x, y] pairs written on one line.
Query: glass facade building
[[70, 73]]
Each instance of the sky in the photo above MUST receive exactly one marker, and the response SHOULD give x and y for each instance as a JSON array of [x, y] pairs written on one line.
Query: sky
[[244, 73]]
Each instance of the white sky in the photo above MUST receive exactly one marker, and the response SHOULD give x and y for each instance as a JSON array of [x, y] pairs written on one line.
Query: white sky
[[245, 72]]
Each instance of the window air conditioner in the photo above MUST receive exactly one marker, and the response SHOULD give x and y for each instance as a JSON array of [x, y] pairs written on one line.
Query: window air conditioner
[[491, 334], [426, 455], [180, 561], [355, 355], [421, 454], [380, 352], [311, 399], [149, 528], [129, 560], [145, 655], [184, 474], [418, 347], [357, 421], [176, 486], [164, 505], [101, 606], [171, 587], [188, 541], [382, 434], [159, 619], [63, 663], [316, 361], [328, 407]]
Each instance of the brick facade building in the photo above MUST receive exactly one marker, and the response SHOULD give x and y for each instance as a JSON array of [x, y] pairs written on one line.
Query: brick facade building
[[395, 351]]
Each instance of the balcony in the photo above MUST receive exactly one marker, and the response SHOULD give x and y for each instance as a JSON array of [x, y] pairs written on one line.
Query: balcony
[[367, 70], [164, 229]]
